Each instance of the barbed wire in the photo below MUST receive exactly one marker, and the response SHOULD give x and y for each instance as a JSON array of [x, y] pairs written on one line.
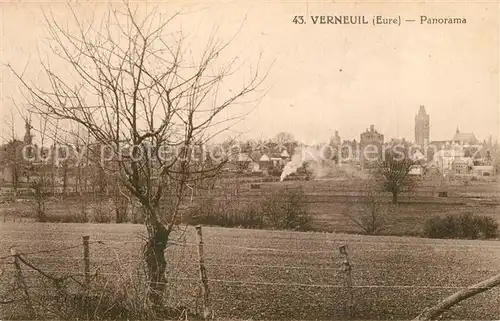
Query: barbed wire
[[186, 263], [390, 242], [42, 251], [331, 253], [193, 264], [291, 284]]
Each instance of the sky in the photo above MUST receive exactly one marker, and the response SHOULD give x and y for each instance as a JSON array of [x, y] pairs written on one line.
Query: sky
[[321, 78]]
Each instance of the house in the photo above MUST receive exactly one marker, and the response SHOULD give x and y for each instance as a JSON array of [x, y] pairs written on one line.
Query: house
[[241, 162], [277, 162], [461, 166], [444, 158], [273, 160], [247, 164], [265, 162]]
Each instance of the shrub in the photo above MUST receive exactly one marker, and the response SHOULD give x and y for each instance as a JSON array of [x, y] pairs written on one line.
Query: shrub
[[279, 210], [286, 210], [488, 227], [81, 216], [101, 215], [78, 218], [221, 213], [372, 217], [251, 217], [463, 226], [120, 297]]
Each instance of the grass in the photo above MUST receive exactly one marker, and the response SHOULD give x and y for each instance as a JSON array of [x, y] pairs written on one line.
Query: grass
[[420, 267]]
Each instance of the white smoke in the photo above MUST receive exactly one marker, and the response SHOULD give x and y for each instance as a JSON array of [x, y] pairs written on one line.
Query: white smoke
[[314, 158], [320, 163], [292, 166]]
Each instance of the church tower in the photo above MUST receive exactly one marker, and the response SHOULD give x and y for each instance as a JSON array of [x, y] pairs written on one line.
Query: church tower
[[28, 138], [422, 127]]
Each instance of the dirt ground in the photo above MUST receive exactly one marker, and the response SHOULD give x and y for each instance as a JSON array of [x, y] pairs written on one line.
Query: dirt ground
[[256, 274]]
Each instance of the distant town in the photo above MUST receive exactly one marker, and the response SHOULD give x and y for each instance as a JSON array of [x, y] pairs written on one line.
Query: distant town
[[461, 156]]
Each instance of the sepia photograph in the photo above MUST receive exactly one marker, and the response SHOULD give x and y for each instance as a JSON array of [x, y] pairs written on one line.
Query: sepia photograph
[[249, 160]]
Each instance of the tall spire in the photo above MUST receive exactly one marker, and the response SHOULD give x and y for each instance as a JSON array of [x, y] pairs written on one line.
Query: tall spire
[[458, 130], [28, 138]]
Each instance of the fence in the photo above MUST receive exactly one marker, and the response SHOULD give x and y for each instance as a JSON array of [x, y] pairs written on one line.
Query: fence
[[287, 273]]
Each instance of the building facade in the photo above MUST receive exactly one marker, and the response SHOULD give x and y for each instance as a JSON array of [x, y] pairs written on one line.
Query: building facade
[[464, 138], [422, 127], [371, 148]]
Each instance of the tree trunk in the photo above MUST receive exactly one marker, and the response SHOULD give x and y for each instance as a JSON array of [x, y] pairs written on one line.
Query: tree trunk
[[394, 197], [65, 181], [15, 179], [443, 306], [154, 254], [121, 205]]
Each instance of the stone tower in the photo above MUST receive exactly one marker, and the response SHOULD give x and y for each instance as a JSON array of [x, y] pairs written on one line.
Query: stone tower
[[422, 127]]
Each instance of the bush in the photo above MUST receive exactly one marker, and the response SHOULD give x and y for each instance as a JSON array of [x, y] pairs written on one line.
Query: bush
[[286, 210], [280, 210], [101, 215], [219, 213], [373, 216], [464, 226]]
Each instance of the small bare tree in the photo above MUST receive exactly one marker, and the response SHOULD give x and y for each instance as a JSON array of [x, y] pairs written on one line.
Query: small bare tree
[[393, 170], [137, 88], [372, 217], [285, 141], [11, 154]]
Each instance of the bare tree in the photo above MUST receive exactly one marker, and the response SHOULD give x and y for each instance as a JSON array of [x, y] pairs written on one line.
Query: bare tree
[[393, 170], [285, 141], [40, 181], [372, 217], [136, 87], [283, 137], [11, 154]]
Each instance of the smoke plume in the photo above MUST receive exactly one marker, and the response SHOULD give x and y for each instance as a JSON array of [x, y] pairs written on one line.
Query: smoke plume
[[320, 162], [313, 156]]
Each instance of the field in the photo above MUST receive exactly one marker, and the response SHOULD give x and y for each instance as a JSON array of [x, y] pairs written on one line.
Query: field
[[283, 275], [289, 275], [330, 201]]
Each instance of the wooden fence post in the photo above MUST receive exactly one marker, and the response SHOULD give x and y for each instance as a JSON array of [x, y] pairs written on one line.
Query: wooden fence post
[[203, 275], [86, 261], [347, 268], [22, 283]]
